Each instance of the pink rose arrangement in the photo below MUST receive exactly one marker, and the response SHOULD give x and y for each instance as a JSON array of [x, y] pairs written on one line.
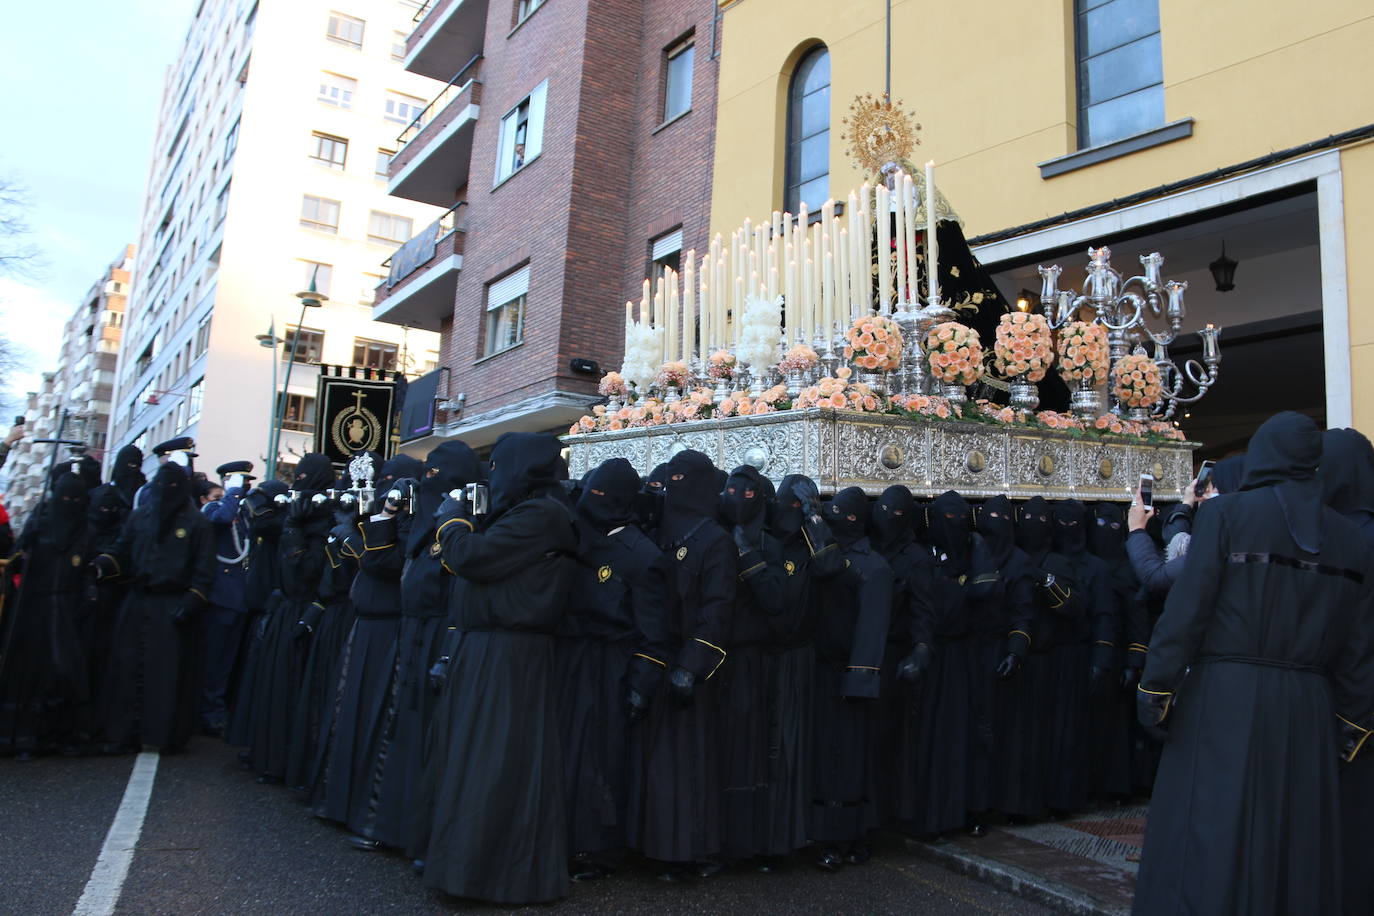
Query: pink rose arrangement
[[1137, 382], [799, 358], [840, 393], [996, 412], [1024, 346], [612, 385], [925, 405], [955, 353], [875, 343], [1083, 352], [672, 375], [1052, 420], [721, 364]]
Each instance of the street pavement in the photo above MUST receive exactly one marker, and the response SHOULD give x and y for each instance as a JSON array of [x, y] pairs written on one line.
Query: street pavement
[[216, 842]]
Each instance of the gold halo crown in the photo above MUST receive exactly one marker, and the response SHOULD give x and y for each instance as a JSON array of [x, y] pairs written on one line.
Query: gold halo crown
[[879, 131]]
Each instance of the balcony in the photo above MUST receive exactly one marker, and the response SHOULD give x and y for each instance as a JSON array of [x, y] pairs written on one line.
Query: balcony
[[435, 150], [446, 32], [422, 282]]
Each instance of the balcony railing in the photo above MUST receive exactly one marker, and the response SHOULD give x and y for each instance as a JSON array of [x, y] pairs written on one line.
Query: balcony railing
[[422, 248], [423, 10], [455, 87]]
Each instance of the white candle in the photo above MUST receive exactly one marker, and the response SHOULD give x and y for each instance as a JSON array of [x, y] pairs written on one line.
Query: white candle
[[912, 270], [661, 313], [704, 302], [735, 318], [852, 272], [629, 324], [883, 208], [689, 319], [864, 268], [846, 299], [900, 237], [932, 244]]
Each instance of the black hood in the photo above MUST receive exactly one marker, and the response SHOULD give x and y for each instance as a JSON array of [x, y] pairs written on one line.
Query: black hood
[[787, 509], [1284, 453], [127, 471], [107, 510], [265, 517], [744, 499], [649, 506], [847, 516], [1070, 527], [889, 521], [610, 494], [523, 466], [1035, 527], [170, 494], [951, 523], [1228, 473], [689, 495], [1107, 533], [997, 526], [64, 514], [398, 467], [1347, 471], [314, 473], [449, 466]]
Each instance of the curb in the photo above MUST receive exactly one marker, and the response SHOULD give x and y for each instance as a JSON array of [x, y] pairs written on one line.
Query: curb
[[1025, 884]]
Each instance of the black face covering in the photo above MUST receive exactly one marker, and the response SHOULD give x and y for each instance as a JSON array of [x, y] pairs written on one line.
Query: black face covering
[[1070, 527], [265, 517], [690, 494], [65, 512], [171, 493], [450, 466], [106, 512], [788, 514], [951, 522], [1107, 534], [127, 472], [1035, 527], [1347, 471], [1284, 453], [996, 525], [847, 516], [649, 505], [889, 521], [523, 465], [1228, 473], [609, 495], [744, 500], [314, 473]]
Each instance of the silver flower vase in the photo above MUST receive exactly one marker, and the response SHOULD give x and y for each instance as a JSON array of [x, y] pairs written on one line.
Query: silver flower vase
[[954, 393], [876, 382], [1025, 398], [1086, 400], [796, 380]]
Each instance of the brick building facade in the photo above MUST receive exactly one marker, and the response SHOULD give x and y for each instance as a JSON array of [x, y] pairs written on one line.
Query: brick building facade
[[622, 157]]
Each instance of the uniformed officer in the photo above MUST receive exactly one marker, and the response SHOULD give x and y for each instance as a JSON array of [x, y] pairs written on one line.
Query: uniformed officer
[[225, 617], [181, 450]]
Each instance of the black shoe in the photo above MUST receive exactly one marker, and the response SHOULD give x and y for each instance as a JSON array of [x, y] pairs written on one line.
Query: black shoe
[[23, 756], [709, 869], [858, 854], [366, 844], [673, 874], [829, 859], [417, 866], [269, 780], [768, 864], [977, 831]]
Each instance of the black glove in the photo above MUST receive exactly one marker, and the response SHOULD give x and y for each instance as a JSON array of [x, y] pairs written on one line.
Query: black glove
[[1151, 708], [1009, 667], [742, 540], [636, 705], [680, 685], [438, 674], [914, 666], [1097, 679], [1350, 738], [300, 508], [103, 566], [1130, 676], [187, 610], [301, 630], [450, 509]]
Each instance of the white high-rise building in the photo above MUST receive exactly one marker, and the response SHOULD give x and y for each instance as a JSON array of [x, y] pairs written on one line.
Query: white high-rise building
[[269, 167]]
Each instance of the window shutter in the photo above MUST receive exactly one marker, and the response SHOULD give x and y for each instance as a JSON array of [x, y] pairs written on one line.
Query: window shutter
[[534, 138], [667, 244], [511, 286], [505, 147]]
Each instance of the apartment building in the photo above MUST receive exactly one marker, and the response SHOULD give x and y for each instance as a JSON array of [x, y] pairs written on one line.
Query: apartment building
[[82, 385], [269, 170], [571, 143]]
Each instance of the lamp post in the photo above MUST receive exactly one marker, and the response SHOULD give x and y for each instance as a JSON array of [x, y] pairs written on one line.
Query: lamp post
[[310, 298], [270, 341]]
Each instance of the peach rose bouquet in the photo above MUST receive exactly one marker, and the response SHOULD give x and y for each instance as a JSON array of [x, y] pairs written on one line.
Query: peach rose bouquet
[[874, 344], [1024, 346], [955, 353], [1083, 352], [721, 364], [840, 393], [672, 375], [1137, 382], [612, 385], [799, 358]]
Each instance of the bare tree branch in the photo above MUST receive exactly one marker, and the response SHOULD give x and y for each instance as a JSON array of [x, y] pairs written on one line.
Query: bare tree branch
[[19, 257]]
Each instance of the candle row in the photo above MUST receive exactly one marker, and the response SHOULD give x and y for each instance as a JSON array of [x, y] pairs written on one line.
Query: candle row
[[822, 268]]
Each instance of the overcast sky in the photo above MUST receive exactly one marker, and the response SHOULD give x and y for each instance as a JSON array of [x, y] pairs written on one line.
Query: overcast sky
[[79, 87]]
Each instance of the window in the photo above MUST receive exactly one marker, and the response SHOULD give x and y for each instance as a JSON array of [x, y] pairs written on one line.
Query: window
[[522, 134], [231, 142], [346, 30], [298, 413], [524, 8], [403, 108], [506, 311], [114, 319], [328, 151], [374, 354], [677, 83], [808, 132], [368, 294], [337, 90], [387, 228], [665, 253], [323, 274], [320, 213], [194, 400], [1120, 69], [384, 162], [308, 345], [222, 206], [398, 45]]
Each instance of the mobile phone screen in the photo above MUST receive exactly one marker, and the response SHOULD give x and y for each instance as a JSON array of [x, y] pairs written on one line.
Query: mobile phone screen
[[1204, 477], [1147, 489]]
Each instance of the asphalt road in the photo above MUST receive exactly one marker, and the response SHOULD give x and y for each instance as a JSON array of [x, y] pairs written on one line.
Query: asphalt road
[[216, 842]]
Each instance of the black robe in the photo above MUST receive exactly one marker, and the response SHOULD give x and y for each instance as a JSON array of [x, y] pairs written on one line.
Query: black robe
[[152, 690], [499, 831], [262, 581], [1263, 649]]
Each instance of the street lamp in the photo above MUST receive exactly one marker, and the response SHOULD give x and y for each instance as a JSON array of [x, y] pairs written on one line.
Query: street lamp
[[270, 341], [310, 298]]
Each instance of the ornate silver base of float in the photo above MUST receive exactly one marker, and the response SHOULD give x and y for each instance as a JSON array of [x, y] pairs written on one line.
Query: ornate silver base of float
[[840, 448]]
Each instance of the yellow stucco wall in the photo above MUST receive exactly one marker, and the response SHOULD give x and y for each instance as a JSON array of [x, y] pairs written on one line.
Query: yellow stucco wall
[[1357, 179]]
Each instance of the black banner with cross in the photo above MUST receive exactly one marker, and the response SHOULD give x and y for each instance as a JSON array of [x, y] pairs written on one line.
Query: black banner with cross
[[358, 408]]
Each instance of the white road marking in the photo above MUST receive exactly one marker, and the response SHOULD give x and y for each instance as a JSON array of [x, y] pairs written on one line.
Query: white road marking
[[112, 868]]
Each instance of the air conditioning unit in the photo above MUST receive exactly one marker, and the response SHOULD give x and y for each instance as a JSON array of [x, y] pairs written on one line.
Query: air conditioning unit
[[152, 399]]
